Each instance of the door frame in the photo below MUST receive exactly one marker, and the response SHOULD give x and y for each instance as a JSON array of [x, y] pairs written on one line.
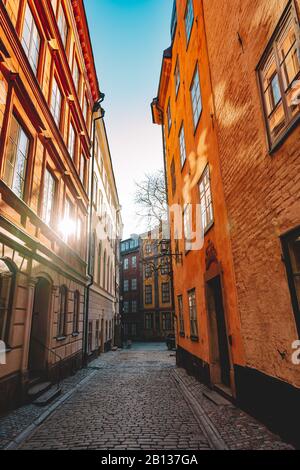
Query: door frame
[[215, 270], [48, 320]]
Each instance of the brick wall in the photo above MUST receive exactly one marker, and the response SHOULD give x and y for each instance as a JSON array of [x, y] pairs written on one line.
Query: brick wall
[[261, 191]]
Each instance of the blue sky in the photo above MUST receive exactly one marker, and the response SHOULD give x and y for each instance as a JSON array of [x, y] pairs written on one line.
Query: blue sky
[[128, 38]]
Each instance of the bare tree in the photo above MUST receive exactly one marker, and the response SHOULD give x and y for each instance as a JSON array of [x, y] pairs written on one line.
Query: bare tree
[[151, 199]]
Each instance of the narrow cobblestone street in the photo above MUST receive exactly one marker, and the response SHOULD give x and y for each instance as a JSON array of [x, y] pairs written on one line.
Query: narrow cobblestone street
[[135, 399]]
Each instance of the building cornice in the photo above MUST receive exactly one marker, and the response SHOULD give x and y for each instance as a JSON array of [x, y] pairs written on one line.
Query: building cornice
[[86, 45]]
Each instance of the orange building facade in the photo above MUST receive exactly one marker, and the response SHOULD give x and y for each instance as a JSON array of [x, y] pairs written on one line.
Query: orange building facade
[[244, 135], [48, 86], [208, 324]]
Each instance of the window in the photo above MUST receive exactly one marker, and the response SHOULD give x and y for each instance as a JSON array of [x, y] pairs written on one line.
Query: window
[[63, 311], [174, 20], [166, 321], [148, 248], [126, 263], [72, 141], [85, 109], [134, 306], [99, 262], [68, 219], [82, 169], [173, 176], [76, 312], [165, 266], [206, 200], [148, 321], [148, 271], [62, 25], [133, 262], [104, 270], [76, 75], [189, 19], [6, 293], [90, 337], [95, 191], [48, 198], [79, 234], [31, 40], [133, 284], [193, 313], [169, 116], [97, 334], [187, 223], [148, 295], [93, 254], [291, 250], [56, 102], [182, 145], [279, 73], [180, 314], [126, 306], [196, 97], [177, 77], [16, 160], [126, 285], [165, 293]]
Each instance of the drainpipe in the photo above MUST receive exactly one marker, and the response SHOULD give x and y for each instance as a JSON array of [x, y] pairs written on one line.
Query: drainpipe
[[97, 108], [166, 184]]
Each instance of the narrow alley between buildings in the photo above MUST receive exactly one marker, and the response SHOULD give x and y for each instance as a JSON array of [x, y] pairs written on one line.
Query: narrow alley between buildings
[[137, 399]]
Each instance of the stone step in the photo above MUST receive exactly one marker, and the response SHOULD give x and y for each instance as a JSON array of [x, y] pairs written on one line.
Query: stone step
[[38, 389], [48, 397]]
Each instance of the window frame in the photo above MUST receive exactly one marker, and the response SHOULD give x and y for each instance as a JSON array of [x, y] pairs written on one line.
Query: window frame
[[196, 74], [10, 299], [148, 294], [181, 130], [37, 67], [194, 333], [76, 312], [63, 313], [285, 241], [206, 172], [290, 122], [188, 34], [27, 172], [51, 222], [165, 293], [181, 315]]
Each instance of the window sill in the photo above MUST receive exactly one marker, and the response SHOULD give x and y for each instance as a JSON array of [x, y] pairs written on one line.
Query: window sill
[[208, 228], [74, 335], [195, 339], [280, 141], [61, 338]]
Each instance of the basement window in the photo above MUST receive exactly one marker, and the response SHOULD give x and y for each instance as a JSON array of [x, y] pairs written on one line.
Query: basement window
[[291, 250]]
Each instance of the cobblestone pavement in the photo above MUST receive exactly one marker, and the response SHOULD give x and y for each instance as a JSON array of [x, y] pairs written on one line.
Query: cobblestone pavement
[[133, 402]]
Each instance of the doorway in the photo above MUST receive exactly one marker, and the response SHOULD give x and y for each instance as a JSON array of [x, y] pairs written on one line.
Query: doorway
[[39, 328], [220, 370]]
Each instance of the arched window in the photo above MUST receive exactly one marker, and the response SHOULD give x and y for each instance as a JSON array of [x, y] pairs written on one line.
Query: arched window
[[104, 270], [99, 263], [7, 277], [62, 314], [76, 312]]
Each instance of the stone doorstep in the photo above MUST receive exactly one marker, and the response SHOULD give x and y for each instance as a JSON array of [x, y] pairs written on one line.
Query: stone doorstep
[[47, 397]]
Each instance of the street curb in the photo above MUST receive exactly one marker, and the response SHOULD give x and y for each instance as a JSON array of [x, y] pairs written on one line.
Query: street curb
[[209, 430], [24, 435]]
